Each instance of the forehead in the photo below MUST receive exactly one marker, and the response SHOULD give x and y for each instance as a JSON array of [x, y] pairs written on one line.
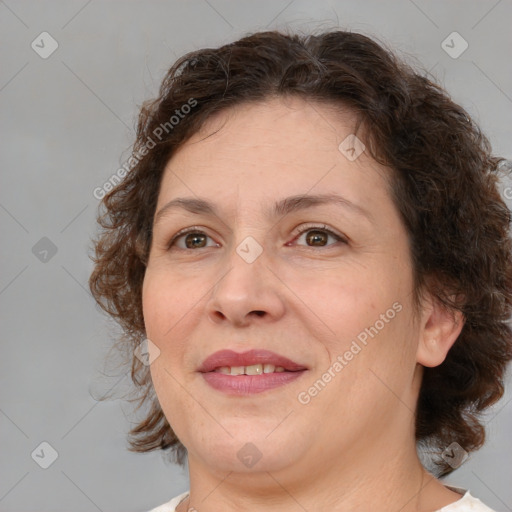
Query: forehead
[[279, 121], [271, 149]]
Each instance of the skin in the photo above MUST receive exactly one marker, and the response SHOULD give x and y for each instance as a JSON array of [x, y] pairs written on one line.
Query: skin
[[352, 447]]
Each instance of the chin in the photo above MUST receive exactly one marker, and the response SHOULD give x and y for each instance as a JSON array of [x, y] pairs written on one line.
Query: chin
[[250, 453]]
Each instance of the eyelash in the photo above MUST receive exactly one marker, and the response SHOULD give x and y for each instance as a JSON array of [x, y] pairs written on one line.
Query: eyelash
[[304, 229]]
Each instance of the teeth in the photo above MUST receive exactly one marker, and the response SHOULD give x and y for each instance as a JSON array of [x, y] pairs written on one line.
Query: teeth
[[254, 369], [268, 368], [237, 370]]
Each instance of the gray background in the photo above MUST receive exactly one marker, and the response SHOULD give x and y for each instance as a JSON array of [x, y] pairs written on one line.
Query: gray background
[[67, 123]]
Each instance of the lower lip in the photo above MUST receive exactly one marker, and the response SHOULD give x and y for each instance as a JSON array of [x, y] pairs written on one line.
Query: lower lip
[[249, 384]]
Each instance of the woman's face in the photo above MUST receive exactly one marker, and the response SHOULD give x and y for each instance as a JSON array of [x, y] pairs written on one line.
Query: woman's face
[[324, 282]]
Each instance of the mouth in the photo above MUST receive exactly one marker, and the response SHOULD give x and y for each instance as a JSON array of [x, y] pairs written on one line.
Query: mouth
[[249, 372], [253, 369], [252, 362]]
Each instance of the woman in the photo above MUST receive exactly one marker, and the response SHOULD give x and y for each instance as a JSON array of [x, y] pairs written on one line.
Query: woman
[[312, 249]]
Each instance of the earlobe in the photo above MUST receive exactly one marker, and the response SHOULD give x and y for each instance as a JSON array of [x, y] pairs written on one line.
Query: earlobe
[[440, 327]]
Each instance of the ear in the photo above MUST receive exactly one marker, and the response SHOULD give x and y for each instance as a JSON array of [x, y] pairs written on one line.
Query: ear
[[439, 328]]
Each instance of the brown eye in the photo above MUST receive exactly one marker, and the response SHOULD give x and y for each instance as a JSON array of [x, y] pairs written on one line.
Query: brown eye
[[319, 237], [194, 240]]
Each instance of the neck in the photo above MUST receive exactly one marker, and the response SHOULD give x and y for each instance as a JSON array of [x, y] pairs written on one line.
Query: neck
[[387, 481]]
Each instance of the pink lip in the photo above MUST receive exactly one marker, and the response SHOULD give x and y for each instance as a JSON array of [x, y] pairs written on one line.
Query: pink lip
[[248, 384], [231, 358]]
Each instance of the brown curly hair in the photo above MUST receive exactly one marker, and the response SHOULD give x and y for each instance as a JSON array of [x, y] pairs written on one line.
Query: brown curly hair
[[444, 184]]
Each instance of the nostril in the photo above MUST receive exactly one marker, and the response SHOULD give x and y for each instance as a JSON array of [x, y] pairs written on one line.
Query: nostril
[[259, 313], [218, 315]]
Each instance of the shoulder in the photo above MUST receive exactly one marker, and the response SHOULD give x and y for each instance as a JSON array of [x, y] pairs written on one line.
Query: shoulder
[[170, 506], [467, 503]]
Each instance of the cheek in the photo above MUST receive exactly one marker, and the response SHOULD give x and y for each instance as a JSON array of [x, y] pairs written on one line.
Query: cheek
[[165, 302], [370, 335], [367, 380], [172, 313], [347, 305]]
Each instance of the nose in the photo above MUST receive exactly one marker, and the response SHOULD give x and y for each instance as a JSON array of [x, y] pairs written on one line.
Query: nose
[[247, 293]]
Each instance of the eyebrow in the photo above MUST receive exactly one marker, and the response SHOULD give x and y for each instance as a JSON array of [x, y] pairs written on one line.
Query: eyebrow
[[280, 208]]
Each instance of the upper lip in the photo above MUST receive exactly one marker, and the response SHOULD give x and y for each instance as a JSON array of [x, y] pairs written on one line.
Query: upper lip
[[231, 358]]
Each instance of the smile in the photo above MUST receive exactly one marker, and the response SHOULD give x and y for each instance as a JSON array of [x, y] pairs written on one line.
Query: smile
[[253, 369]]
